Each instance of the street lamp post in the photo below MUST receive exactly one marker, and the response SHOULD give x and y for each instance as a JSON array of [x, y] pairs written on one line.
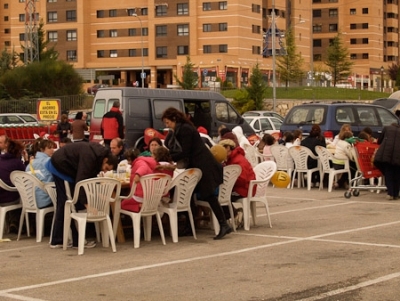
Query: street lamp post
[[142, 74], [382, 69], [273, 57]]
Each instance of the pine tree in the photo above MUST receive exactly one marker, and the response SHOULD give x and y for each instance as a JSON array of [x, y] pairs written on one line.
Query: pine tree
[[337, 59], [257, 90], [290, 65], [189, 79]]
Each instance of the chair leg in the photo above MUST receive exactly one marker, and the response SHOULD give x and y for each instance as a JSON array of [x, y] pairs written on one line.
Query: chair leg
[[136, 231], [214, 222], [268, 215], [97, 228], [230, 207], [21, 223], [147, 225], [173, 224], [103, 227], [28, 227], [39, 225], [81, 236], [192, 223], [253, 210], [67, 227], [330, 182], [160, 227], [2, 221], [309, 178], [111, 234], [246, 214]]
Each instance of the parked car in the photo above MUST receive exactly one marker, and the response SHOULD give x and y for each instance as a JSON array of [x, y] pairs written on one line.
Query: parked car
[[18, 118], [262, 113], [389, 103], [93, 89], [264, 125], [331, 116]]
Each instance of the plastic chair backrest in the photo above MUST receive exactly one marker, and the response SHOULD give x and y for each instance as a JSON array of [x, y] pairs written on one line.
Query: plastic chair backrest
[[7, 187], [26, 184], [99, 193], [250, 154], [52, 192], [324, 156], [154, 187], [184, 184], [281, 156], [300, 156], [231, 173], [264, 172]]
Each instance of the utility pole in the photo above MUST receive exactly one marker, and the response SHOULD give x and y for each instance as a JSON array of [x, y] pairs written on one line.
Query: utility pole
[[273, 57]]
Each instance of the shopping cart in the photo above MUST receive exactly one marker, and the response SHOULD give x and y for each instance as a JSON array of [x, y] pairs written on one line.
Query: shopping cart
[[363, 153]]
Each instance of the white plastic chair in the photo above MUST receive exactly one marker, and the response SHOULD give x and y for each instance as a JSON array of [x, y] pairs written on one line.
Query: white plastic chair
[[326, 158], [26, 184], [184, 184], [253, 155], [99, 193], [282, 158], [231, 173], [154, 187], [300, 155], [5, 209], [264, 172], [52, 192]]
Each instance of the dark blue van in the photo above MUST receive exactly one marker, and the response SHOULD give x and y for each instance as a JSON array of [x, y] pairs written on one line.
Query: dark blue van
[[331, 116]]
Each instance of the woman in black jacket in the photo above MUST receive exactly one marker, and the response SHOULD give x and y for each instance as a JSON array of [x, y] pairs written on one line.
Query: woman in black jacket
[[186, 146], [387, 159]]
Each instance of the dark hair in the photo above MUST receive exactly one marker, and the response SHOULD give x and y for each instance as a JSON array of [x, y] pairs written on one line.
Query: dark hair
[[345, 135], [367, 130], [315, 131], [363, 135], [64, 118], [112, 160], [65, 140], [79, 116], [162, 154], [116, 104], [15, 148], [131, 154], [297, 134], [40, 145], [289, 137], [223, 131], [175, 115], [156, 139], [120, 142], [268, 139]]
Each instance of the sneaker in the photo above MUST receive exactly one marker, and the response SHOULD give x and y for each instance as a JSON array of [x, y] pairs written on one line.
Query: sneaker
[[60, 246], [88, 245]]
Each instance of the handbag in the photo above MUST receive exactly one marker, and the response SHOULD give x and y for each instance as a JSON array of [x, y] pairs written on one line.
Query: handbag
[[175, 147]]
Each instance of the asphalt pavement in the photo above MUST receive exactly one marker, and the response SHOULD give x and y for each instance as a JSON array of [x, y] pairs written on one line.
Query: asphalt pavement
[[321, 246]]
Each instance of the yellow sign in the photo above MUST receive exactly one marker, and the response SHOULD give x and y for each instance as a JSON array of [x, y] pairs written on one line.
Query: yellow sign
[[48, 109]]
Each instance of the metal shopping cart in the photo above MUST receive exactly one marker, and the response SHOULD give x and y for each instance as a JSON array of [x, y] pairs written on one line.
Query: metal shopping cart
[[363, 153]]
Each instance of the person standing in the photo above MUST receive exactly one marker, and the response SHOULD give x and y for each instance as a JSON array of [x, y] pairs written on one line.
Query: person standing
[[185, 145], [112, 124], [387, 159], [78, 128], [63, 127], [75, 162]]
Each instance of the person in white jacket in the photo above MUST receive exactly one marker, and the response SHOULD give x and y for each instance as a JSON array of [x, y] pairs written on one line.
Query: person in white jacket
[[343, 151], [238, 131]]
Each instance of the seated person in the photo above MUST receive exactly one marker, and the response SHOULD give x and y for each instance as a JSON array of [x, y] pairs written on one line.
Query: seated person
[[298, 136], [118, 149], [369, 132], [268, 140], [153, 144], [343, 152], [289, 140], [42, 151], [164, 161]]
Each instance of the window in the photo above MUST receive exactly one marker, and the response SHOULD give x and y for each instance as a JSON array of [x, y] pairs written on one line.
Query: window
[[206, 48], [183, 50], [223, 26], [365, 11], [145, 31], [7, 43], [365, 56], [71, 15], [223, 5], [206, 5], [112, 13], [100, 33], [223, 48], [333, 12], [21, 17], [353, 41], [132, 52], [113, 33], [50, 1], [317, 13], [5, 5], [317, 43], [364, 25], [206, 27], [317, 28], [52, 17], [113, 53], [161, 52], [183, 30], [71, 35], [353, 11], [71, 55], [256, 50], [353, 56], [333, 1], [365, 41], [255, 8], [145, 51], [316, 1], [52, 36], [255, 29], [161, 10], [100, 14], [317, 57], [22, 37], [161, 30], [145, 11], [7, 30], [353, 26], [6, 18], [183, 9], [333, 27], [131, 11], [132, 32]]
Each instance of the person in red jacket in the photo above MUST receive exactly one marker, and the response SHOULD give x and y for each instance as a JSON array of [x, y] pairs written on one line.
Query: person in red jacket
[[112, 125]]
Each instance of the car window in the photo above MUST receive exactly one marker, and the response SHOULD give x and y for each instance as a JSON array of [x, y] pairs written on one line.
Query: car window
[[344, 115], [225, 113], [277, 123], [99, 108], [386, 117], [367, 116], [256, 125], [265, 124], [14, 120], [306, 115], [28, 118]]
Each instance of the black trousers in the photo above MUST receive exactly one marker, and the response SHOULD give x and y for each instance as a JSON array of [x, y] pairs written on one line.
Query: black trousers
[[392, 178]]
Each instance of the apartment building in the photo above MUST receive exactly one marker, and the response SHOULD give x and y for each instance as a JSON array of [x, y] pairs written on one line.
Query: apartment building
[[107, 40]]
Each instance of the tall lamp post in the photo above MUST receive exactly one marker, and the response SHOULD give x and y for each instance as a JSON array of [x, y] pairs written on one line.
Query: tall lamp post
[[142, 75], [382, 69], [273, 57]]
